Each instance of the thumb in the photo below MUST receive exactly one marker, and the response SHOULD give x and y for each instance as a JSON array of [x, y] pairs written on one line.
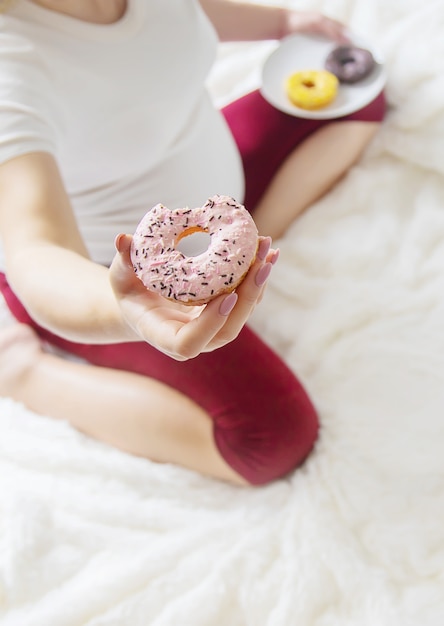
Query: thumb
[[123, 278], [122, 244]]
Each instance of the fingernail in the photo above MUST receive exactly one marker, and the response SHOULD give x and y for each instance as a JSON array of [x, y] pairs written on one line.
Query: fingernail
[[275, 256], [228, 304], [264, 247], [118, 241], [263, 274]]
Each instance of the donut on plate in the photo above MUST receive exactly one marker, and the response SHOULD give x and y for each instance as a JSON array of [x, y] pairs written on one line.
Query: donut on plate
[[195, 280], [350, 64], [311, 89]]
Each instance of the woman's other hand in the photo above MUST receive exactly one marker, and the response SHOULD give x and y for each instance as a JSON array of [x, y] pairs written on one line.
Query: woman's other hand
[[314, 23], [181, 331]]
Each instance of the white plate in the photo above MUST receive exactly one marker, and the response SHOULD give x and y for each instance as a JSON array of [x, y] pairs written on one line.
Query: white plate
[[308, 52]]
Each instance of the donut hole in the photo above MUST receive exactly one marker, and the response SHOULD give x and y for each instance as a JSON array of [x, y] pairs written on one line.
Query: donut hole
[[193, 241], [346, 60], [308, 83]]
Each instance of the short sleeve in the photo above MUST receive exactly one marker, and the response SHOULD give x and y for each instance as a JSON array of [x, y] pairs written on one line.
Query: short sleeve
[[26, 119]]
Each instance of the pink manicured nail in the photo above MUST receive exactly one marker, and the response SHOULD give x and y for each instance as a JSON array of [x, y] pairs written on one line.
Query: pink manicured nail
[[228, 304], [275, 256], [264, 247], [263, 274]]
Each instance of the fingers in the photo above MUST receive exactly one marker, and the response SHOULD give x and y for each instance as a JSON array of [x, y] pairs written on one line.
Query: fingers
[[198, 334], [174, 329], [250, 293], [272, 257], [136, 303], [123, 278], [317, 23], [334, 30], [184, 332], [223, 318]]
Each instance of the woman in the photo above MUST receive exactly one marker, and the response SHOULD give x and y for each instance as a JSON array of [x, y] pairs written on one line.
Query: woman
[[104, 113]]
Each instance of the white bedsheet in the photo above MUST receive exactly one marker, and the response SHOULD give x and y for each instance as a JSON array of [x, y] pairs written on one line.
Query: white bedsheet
[[90, 536]]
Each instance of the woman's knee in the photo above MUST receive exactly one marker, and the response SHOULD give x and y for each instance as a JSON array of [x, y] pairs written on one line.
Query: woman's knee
[[265, 447]]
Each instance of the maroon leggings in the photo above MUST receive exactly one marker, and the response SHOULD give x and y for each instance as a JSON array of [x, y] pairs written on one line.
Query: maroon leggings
[[264, 423]]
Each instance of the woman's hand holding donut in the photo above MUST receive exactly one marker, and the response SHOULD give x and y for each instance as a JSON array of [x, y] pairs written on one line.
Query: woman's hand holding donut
[[180, 331], [314, 23], [249, 294]]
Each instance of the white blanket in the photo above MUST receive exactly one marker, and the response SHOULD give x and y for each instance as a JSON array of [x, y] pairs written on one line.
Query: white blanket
[[90, 536]]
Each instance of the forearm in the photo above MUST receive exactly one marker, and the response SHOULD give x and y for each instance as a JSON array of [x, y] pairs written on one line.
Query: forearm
[[239, 21], [68, 294]]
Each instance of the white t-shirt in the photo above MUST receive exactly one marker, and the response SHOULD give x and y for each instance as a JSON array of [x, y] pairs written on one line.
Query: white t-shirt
[[123, 109]]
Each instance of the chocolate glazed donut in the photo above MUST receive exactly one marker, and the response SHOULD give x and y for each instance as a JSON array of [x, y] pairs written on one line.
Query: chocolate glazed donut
[[350, 63]]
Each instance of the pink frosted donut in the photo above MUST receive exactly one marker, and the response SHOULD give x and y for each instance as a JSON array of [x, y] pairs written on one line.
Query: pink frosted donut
[[197, 279]]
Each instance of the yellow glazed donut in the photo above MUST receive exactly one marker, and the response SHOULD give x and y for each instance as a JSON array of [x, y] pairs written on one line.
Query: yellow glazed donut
[[311, 89]]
